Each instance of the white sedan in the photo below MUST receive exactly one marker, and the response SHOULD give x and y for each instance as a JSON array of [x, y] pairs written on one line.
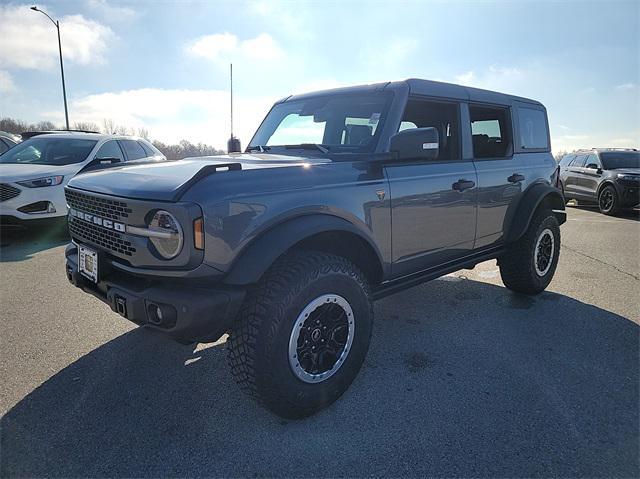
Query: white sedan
[[33, 173]]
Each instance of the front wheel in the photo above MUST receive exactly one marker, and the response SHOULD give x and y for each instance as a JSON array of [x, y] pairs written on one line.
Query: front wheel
[[302, 334], [529, 263], [608, 201]]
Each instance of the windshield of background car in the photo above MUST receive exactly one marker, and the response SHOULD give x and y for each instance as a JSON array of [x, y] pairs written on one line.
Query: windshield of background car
[[343, 123], [619, 159], [49, 151]]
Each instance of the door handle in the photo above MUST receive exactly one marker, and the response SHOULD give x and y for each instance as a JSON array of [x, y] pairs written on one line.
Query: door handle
[[515, 178], [462, 185]]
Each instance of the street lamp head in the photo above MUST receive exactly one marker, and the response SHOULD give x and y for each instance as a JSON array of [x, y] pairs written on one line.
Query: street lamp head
[[35, 9]]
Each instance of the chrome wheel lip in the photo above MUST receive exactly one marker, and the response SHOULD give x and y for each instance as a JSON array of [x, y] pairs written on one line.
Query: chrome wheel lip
[[546, 233], [297, 369]]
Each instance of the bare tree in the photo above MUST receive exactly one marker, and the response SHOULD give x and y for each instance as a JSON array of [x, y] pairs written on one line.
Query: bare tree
[[143, 133], [108, 126], [86, 126]]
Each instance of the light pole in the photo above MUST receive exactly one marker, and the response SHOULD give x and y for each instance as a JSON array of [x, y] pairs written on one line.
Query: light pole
[[64, 89]]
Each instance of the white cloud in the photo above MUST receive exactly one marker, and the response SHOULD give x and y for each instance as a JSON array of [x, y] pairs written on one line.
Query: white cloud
[[627, 86], [467, 78], [173, 115], [111, 12], [29, 39], [6, 82], [227, 47], [624, 142]]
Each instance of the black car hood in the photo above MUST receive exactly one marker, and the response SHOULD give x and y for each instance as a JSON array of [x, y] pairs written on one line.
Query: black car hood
[[627, 171], [168, 180]]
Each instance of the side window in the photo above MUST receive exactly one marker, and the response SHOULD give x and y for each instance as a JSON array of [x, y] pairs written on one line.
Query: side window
[[593, 160], [491, 132], [533, 128], [443, 117], [147, 149], [133, 149], [566, 160], [579, 160], [110, 150], [3, 147]]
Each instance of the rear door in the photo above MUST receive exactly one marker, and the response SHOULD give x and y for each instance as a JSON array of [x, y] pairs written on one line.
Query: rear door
[[574, 183], [492, 149], [433, 202]]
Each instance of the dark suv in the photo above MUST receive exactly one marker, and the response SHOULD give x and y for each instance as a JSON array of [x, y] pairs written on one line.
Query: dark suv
[[342, 197], [609, 177]]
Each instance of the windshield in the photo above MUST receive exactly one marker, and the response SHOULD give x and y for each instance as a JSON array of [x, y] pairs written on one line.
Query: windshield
[[341, 123], [42, 150], [619, 159]]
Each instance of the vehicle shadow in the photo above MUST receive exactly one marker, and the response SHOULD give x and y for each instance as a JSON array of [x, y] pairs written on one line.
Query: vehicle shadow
[[18, 244], [463, 378]]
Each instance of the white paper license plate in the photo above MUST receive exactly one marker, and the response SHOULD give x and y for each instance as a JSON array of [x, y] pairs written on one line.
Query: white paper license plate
[[88, 263]]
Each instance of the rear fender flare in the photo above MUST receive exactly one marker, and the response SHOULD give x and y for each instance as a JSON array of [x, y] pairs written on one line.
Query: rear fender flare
[[521, 213]]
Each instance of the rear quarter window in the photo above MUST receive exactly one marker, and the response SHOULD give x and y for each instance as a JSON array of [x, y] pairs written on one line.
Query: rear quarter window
[[133, 149], [533, 129]]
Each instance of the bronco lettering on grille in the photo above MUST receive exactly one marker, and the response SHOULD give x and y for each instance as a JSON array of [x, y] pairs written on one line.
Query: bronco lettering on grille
[[105, 223]]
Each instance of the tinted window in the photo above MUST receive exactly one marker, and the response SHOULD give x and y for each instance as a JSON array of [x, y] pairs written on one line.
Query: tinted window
[[579, 160], [491, 132], [533, 128], [566, 159], [592, 159], [439, 115], [3, 147], [620, 159], [133, 149], [44, 150], [110, 150]]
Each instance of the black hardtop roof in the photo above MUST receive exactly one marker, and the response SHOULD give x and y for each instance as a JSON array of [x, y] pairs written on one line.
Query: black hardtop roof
[[427, 88]]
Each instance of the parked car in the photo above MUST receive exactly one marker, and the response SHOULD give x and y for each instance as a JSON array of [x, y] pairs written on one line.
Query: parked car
[[33, 173], [609, 177], [7, 140], [342, 197]]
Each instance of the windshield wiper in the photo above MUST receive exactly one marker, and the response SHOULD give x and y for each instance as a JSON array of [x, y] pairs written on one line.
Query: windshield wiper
[[259, 148], [308, 146]]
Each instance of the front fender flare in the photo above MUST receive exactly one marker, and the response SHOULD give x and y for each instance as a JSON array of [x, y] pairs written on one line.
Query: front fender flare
[[520, 213], [260, 254]]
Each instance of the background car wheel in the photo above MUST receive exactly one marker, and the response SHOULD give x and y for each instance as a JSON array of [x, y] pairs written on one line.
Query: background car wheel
[[302, 334], [529, 263], [608, 200]]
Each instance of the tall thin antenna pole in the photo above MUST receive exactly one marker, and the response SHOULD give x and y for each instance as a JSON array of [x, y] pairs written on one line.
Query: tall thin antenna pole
[[231, 75]]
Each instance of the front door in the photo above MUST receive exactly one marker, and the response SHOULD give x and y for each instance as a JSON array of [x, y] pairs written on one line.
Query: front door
[[433, 203]]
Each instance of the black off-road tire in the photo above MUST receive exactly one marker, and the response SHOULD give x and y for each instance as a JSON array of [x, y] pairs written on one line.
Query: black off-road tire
[[258, 345], [518, 267], [611, 207]]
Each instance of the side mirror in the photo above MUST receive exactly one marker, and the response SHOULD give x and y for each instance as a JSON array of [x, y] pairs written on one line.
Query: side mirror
[[416, 144], [593, 166]]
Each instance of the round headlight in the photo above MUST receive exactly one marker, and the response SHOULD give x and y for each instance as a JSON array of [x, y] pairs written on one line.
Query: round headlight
[[167, 234]]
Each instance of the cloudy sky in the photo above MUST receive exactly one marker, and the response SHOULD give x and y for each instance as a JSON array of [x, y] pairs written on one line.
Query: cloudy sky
[[164, 65]]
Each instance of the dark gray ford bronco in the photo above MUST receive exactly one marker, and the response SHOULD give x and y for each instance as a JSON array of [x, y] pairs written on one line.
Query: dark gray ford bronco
[[342, 197]]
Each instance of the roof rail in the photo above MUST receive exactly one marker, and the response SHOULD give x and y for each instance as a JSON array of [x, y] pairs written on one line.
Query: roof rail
[[615, 149], [28, 134]]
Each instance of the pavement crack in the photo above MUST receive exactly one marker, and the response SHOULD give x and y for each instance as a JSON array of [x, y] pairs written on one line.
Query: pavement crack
[[634, 276]]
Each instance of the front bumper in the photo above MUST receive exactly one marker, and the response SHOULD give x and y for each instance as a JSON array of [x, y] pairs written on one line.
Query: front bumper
[[28, 196], [629, 195], [189, 313]]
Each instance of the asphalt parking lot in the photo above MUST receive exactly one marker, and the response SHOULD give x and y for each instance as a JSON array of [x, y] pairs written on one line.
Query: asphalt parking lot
[[463, 378]]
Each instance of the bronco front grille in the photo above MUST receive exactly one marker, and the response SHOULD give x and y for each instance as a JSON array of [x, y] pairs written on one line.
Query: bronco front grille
[[7, 192], [109, 239], [103, 207]]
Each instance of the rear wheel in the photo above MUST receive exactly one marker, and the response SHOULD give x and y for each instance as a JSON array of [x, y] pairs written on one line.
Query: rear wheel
[[302, 334], [529, 263], [608, 201]]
